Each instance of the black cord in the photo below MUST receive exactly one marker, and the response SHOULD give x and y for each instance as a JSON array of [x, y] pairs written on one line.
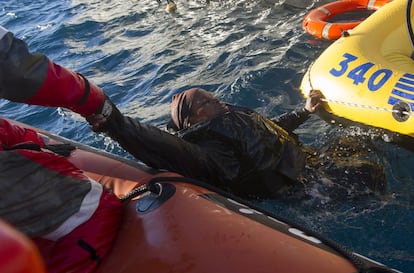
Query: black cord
[[86, 92], [135, 192], [410, 27]]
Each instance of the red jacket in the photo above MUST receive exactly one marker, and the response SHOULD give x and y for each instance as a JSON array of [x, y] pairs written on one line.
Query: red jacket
[[34, 79], [40, 190]]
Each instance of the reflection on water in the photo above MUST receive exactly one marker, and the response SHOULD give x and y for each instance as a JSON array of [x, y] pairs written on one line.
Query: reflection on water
[[252, 53]]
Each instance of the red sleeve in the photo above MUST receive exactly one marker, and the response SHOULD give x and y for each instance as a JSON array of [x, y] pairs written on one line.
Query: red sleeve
[[11, 135], [32, 78], [65, 88]]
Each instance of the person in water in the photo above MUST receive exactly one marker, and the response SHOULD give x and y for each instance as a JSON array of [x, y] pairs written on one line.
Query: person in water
[[72, 219], [231, 147]]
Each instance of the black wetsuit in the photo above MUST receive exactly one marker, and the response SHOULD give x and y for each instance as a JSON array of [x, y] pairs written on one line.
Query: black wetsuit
[[239, 151]]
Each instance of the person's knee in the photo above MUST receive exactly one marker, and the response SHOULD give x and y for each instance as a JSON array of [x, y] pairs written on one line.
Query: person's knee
[[360, 176], [371, 175]]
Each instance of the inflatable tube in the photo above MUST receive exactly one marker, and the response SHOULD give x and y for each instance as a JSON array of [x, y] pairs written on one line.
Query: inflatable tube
[[316, 22], [180, 225], [17, 253], [368, 77]]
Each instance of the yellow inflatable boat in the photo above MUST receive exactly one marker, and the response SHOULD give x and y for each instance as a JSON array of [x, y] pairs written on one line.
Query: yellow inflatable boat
[[367, 76]]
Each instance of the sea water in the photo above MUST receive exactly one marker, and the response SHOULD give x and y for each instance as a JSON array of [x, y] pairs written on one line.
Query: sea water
[[251, 53]]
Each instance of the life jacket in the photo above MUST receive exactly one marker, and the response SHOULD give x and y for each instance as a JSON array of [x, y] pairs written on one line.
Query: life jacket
[[36, 198]]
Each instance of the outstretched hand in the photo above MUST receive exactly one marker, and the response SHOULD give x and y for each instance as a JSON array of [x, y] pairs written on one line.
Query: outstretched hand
[[106, 119], [96, 121], [313, 101]]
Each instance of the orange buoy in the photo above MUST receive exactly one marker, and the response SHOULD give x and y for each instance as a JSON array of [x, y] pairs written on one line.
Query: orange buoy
[[18, 254], [316, 24]]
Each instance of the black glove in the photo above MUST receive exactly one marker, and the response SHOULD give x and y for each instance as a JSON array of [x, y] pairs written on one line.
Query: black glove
[[61, 149], [106, 118]]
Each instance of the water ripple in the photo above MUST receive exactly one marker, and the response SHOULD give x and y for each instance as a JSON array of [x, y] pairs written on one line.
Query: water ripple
[[252, 53]]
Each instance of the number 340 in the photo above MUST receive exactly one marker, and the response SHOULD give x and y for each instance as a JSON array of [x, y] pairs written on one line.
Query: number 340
[[359, 74]]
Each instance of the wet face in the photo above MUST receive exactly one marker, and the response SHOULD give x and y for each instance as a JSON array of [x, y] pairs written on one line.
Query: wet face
[[205, 106]]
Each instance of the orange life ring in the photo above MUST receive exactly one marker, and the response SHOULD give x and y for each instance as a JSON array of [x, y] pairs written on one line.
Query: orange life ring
[[315, 22]]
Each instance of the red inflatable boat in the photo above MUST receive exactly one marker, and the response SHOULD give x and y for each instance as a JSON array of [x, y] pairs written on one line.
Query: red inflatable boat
[[174, 224]]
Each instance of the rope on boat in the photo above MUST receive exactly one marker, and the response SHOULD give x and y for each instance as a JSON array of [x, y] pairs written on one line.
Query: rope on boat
[[135, 192], [400, 112], [409, 25], [356, 105]]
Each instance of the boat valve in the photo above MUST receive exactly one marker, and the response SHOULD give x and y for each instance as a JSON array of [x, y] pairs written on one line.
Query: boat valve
[[401, 111]]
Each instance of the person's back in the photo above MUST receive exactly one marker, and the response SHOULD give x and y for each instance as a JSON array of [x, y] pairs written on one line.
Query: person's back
[[231, 147], [53, 202], [256, 156]]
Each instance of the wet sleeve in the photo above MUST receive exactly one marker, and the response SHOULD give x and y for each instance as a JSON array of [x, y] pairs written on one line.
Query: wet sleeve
[[161, 150], [292, 120], [11, 135]]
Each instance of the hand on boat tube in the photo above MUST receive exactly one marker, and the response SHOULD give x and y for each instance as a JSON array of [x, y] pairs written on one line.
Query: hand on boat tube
[[313, 102]]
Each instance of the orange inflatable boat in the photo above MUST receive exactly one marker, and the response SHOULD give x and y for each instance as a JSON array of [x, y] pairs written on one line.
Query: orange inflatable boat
[[174, 224]]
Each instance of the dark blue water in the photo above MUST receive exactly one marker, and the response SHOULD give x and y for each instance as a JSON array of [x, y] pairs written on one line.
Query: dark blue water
[[252, 53]]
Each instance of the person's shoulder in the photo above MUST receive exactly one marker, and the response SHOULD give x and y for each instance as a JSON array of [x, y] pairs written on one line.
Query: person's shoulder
[[240, 109]]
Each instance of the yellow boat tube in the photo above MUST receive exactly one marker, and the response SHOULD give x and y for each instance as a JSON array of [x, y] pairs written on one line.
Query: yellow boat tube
[[367, 76]]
